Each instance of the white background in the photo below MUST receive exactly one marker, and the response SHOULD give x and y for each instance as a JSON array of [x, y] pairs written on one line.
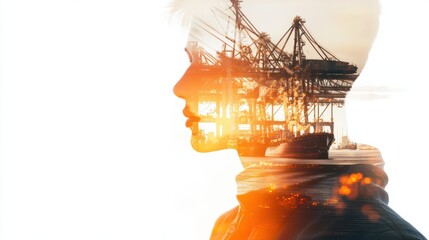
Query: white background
[[93, 140]]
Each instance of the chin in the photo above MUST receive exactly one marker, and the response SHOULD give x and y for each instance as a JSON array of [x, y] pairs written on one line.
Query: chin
[[202, 146]]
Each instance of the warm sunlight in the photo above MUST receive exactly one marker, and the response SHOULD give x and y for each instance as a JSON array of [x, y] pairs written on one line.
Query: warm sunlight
[[95, 144]]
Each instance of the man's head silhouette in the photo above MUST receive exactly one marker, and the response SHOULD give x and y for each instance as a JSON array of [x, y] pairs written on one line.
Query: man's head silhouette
[[272, 90]]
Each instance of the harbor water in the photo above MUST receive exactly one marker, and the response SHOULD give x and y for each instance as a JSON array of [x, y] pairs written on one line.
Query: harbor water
[[336, 157], [273, 173]]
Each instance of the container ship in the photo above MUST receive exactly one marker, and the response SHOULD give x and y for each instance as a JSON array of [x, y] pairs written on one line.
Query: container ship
[[308, 146]]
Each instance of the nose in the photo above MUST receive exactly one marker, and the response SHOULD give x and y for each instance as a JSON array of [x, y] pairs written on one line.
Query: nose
[[196, 77], [182, 89]]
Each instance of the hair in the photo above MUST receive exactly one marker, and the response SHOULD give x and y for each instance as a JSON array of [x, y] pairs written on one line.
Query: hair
[[354, 41], [183, 11]]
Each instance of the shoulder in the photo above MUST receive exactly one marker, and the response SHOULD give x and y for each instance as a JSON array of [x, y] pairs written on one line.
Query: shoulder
[[390, 226], [411, 234], [398, 227], [223, 223]]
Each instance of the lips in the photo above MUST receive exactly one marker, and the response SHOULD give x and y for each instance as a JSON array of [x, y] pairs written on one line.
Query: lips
[[192, 117], [191, 121]]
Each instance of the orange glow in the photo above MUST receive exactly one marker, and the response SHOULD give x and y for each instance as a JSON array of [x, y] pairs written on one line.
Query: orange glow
[[271, 187], [332, 201], [355, 177], [344, 190], [296, 200], [350, 184], [351, 179], [366, 181]]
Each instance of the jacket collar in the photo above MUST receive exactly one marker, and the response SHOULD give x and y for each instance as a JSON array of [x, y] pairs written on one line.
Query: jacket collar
[[262, 188]]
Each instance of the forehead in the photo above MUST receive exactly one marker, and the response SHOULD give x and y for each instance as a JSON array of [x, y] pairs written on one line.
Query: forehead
[[354, 23], [276, 12]]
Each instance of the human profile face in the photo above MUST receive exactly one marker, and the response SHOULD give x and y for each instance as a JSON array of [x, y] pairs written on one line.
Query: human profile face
[[225, 107]]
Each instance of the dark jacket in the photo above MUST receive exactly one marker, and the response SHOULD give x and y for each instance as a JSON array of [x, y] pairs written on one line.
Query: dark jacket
[[320, 202]]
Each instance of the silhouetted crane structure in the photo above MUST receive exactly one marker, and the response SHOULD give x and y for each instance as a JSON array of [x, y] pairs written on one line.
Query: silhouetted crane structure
[[260, 89]]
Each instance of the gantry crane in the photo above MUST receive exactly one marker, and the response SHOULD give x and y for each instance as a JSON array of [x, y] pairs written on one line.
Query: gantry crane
[[252, 81]]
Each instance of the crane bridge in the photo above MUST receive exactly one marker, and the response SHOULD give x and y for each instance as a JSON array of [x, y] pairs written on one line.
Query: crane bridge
[[254, 89]]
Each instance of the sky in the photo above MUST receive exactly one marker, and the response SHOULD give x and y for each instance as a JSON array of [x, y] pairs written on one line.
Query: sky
[[346, 28], [92, 136]]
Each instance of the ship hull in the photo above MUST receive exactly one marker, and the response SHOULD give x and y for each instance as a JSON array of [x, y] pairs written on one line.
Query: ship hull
[[309, 146]]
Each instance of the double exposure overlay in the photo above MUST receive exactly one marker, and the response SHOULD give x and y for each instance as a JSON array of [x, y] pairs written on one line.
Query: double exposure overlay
[[278, 98], [264, 96]]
